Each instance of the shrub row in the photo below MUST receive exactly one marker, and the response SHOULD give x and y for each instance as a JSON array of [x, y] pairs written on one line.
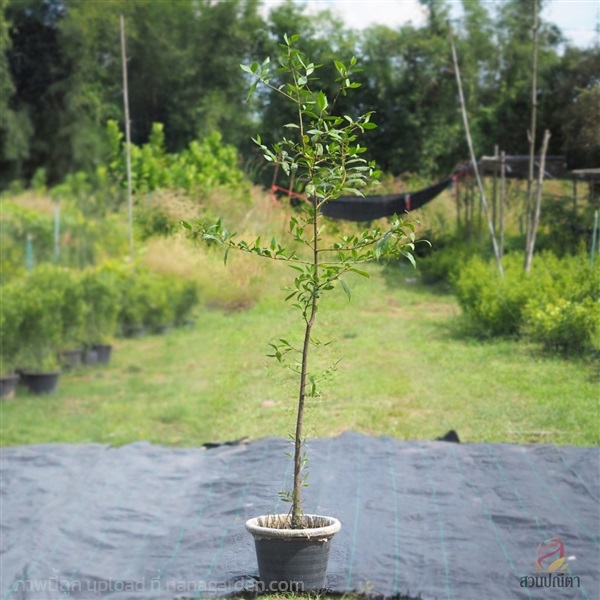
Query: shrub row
[[557, 304], [54, 309]]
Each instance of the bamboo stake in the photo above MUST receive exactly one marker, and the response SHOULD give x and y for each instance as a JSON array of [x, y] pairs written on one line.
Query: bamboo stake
[[457, 200], [472, 152], [127, 138], [532, 129], [502, 198], [495, 189], [594, 240], [57, 231], [538, 204]]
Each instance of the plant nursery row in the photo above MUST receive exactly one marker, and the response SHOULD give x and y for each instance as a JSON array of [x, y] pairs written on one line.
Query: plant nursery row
[[54, 313]]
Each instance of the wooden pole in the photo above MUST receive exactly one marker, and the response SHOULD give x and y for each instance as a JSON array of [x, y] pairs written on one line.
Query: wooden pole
[[532, 129], [594, 239], [127, 138], [495, 189], [57, 232], [473, 159], [457, 200], [471, 208], [502, 198], [538, 204]]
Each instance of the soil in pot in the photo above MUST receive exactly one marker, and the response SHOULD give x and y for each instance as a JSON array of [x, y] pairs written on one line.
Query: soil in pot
[[40, 383], [293, 558], [8, 385]]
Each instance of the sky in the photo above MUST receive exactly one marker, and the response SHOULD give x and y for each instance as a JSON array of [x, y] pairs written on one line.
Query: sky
[[578, 19]]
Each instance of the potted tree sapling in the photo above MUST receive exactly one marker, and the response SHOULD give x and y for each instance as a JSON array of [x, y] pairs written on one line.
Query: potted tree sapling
[[10, 322], [101, 295], [324, 151], [41, 328]]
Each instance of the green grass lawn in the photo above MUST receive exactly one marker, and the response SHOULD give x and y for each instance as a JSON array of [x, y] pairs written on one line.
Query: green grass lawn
[[406, 371]]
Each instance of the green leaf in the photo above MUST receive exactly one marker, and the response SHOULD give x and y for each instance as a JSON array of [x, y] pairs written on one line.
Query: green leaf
[[247, 69], [346, 289], [252, 90], [359, 272], [411, 258], [321, 101]]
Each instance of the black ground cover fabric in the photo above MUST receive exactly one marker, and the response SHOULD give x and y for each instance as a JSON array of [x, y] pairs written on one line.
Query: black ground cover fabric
[[435, 519]]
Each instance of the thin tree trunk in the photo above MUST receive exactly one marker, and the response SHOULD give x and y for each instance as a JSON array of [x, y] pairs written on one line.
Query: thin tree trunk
[[473, 159], [538, 204], [127, 137], [298, 439]]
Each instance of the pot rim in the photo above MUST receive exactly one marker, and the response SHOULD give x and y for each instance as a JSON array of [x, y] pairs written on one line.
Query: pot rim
[[325, 532], [9, 376], [25, 373]]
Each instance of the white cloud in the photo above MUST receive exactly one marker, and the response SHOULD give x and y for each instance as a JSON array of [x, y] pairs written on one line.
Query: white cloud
[[578, 19], [359, 14]]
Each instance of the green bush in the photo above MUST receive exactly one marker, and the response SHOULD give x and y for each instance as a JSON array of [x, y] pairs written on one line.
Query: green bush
[[555, 304], [184, 298], [41, 328], [158, 308], [202, 166], [131, 301], [443, 261], [564, 325], [493, 305], [11, 315], [145, 301], [64, 285], [100, 292]]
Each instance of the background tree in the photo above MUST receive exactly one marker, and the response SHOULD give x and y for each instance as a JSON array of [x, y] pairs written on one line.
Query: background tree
[[508, 121], [37, 71], [324, 38], [410, 85], [573, 106], [60, 70]]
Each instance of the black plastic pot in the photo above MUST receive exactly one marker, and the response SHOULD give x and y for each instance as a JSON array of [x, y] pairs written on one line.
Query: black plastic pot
[[71, 359], [90, 356], [40, 383], [103, 352], [293, 559], [8, 385], [162, 329], [131, 331]]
